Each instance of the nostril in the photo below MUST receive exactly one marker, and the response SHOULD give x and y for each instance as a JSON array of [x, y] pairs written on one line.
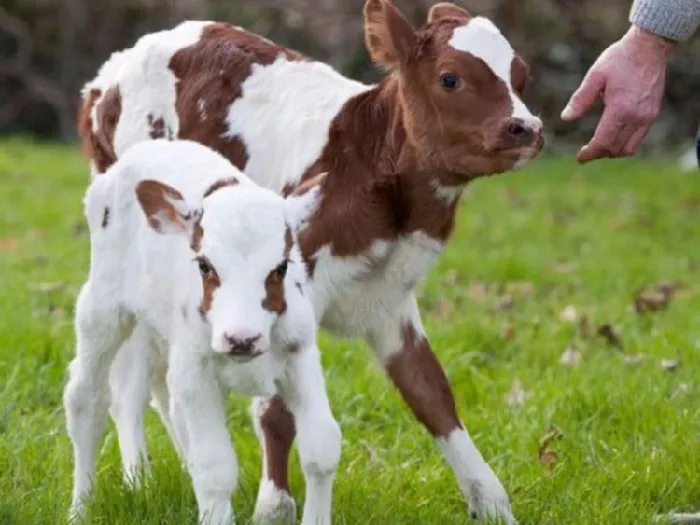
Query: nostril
[[241, 345], [517, 128]]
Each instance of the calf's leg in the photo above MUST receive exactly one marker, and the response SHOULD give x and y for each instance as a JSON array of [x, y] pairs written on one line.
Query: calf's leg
[[274, 425], [402, 347], [198, 400], [100, 329], [129, 383], [319, 436]]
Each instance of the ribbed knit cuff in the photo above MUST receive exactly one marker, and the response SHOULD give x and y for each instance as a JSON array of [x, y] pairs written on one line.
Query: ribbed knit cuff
[[674, 19]]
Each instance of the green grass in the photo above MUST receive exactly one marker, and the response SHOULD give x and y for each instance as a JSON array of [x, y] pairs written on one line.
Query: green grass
[[588, 237]]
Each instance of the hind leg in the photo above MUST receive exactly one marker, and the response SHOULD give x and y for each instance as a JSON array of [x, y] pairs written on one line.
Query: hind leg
[[100, 329], [129, 383]]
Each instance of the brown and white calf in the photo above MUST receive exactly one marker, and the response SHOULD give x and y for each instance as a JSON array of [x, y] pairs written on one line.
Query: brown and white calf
[[201, 265], [398, 155]]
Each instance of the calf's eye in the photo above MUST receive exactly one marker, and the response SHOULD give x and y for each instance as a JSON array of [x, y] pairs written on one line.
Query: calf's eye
[[281, 270], [204, 267], [449, 81]]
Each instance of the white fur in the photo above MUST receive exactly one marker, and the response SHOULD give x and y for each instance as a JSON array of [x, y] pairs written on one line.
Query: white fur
[[145, 284], [483, 39], [283, 119]]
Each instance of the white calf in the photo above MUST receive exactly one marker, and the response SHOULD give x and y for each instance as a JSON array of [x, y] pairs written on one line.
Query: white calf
[[203, 263]]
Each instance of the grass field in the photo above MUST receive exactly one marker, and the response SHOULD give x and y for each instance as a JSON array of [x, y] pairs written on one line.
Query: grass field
[[541, 260]]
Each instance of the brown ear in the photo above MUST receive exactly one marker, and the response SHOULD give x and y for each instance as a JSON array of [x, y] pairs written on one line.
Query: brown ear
[[388, 35], [165, 208], [447, 10]]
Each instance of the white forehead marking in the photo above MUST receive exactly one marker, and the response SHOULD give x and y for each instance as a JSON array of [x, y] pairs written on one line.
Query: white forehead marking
[[481, 38]]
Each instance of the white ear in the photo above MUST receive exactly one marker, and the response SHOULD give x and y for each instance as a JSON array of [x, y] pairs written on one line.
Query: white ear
[[166, 210], [302, 202]]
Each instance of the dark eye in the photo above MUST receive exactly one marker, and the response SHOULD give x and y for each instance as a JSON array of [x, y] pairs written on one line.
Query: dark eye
[[281, 270], [204, 267], [449, 81]]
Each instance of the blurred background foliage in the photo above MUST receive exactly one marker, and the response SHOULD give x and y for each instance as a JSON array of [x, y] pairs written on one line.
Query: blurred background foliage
[[49, 48]]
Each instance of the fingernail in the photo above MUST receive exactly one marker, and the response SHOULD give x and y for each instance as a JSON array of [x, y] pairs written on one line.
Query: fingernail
[[568, 111]]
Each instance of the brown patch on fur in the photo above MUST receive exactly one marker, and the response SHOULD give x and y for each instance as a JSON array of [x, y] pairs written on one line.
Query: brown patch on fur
[[221, 183], [419, 377], [151, 195], [210, 282], [304, 186], [277, 424], [196, 241], [99, 147], [158, 128], [105, 217], [274, 300], [288, 241], [213, 70]]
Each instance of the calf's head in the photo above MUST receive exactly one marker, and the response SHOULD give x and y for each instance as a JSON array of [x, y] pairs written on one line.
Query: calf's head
[[241, 238], [460, 88]]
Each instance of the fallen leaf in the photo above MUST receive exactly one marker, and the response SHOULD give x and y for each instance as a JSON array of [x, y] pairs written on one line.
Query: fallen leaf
[[451, 277], [504, 302], [477, 291], [633, 359], [546, 455], [608, 332], [565, 267], [49, 287], [650, 301], [569, 314], [571, 357], [508, 331], [444, 308], [520, 288], [584, 326], [671, 365], [8, 244], [517, 395]]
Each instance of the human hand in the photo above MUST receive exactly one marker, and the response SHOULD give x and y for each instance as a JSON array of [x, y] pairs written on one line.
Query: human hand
[[630, 77]]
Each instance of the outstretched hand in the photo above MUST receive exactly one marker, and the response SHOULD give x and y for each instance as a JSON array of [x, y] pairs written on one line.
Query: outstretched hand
[[629, 76]]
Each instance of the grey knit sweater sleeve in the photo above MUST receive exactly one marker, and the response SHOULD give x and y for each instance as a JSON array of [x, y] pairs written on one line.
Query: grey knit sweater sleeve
[[674, 19]]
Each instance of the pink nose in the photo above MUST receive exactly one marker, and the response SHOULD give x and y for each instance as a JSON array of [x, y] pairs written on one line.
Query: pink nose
[[524, 131], [243, 344]]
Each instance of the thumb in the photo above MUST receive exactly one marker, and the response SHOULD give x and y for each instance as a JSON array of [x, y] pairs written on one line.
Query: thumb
[[584, 97]]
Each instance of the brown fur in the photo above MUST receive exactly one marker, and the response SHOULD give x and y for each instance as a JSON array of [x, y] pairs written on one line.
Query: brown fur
[[210, 283], [100, 146], [419, 377], [151, 195], [213, 70], [221, 183], [278, 428]]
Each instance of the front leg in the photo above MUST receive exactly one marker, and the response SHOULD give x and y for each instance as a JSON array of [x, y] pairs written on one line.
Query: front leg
[[319, 438], [401, 345], [198, 398]]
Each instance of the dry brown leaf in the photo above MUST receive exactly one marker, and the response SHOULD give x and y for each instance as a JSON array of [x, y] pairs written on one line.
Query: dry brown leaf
[[517, 395], [565, 267], [444, 308], [8, 244], [569, 314], [671, 365], [520, 288], [608, 332], [584, 326], [570, 357], [508, 331], [546, 455], [49, 286], [504, 302], [633, 359], [477, 291], [651, 301], [451, 277]]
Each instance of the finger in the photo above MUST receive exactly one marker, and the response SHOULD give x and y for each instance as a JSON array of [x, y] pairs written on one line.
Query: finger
[[635, 141], [608, 139], [585, 96]]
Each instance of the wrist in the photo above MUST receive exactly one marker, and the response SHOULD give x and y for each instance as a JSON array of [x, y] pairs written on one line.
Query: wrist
[[648, 41]]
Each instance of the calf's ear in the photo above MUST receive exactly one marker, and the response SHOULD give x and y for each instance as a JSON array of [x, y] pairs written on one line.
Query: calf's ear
[[447, 10], [301, 202], [389, 37], [165, 208]]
